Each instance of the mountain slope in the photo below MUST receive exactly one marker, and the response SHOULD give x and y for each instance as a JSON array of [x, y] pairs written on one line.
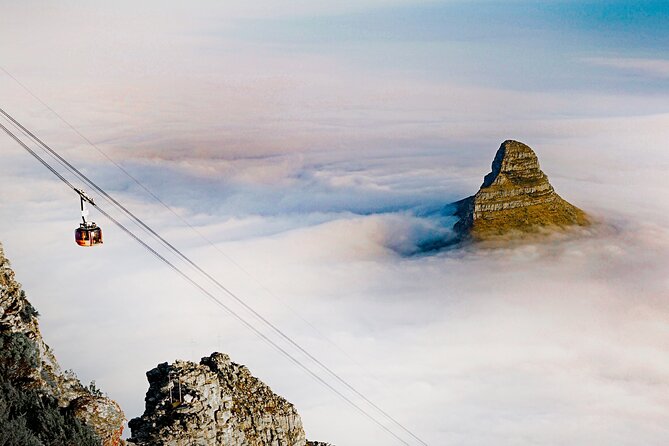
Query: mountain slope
[[515, 198], [40, 404]]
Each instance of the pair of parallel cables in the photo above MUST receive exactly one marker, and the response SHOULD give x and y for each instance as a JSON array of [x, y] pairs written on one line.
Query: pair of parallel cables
[[176, 269]]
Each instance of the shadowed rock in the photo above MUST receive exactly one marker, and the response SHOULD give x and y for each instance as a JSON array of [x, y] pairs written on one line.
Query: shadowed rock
[[515, 199]]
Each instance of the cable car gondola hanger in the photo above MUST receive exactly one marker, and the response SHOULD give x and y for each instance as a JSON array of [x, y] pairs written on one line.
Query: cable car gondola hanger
[[88, 233]]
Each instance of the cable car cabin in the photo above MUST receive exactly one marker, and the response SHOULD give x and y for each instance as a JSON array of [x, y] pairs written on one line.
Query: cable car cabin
[[88, 234]]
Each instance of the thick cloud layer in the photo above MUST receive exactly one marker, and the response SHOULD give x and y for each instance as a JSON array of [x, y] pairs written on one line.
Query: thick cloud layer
[[316, 173]]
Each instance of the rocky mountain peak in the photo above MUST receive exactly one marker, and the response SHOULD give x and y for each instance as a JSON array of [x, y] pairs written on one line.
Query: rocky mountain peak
[[515, 198], [517, 163], [215, 402]]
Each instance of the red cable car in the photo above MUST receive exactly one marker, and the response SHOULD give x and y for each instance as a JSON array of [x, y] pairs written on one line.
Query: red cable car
[[88, 233]]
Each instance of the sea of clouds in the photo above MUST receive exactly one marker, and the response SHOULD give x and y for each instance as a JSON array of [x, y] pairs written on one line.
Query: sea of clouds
[[310, 194]]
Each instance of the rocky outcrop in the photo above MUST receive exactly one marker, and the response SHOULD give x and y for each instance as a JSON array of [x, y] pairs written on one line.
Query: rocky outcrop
[[515, 198], [30, 368], [103, 414], [215, 402]]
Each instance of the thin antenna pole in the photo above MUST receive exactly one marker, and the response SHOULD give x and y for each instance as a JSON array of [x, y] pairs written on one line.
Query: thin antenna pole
[[170, 386]]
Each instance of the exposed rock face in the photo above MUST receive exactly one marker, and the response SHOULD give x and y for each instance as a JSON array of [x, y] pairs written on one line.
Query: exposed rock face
[[103, 415], [215, 402], [39, 371], [515, 198]]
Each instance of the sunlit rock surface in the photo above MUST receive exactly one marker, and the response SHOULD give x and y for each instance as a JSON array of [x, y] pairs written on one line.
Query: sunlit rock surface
[[515, 199], [215, 402]]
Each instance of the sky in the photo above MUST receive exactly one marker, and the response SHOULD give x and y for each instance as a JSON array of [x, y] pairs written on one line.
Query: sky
[[312, 147]]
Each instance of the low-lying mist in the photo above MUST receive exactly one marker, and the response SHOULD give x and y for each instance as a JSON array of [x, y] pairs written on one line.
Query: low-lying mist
[[554, 340], [315, 166]]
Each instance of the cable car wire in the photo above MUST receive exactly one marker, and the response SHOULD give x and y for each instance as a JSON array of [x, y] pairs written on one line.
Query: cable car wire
[[169, 208], [197, 285], [167, 244], [180, 254], [208, 294]]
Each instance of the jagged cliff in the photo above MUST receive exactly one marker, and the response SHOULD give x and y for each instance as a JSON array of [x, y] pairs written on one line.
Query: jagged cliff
[[215, 402], [515, 198], [39, 403]]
